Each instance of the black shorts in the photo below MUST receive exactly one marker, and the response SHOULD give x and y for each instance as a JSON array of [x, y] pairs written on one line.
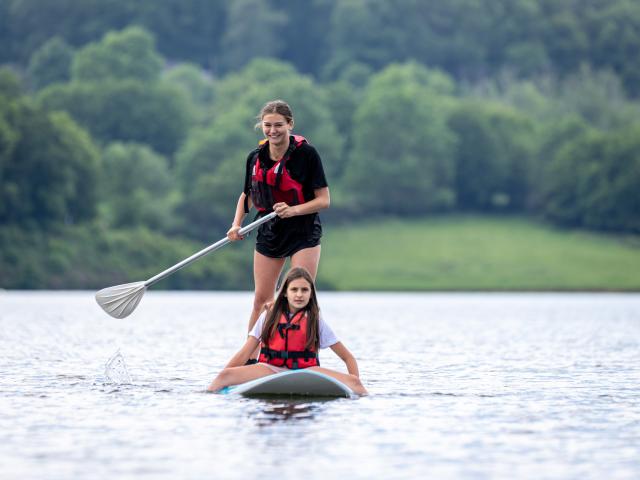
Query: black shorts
[[283, 237]]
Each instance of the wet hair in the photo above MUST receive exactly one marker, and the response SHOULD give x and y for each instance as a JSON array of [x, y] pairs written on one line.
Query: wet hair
[[275, 106], [281, 305]]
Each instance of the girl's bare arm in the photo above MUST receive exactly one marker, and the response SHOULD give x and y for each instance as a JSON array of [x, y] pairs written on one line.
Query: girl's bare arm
[[346, 356], [241, 357]]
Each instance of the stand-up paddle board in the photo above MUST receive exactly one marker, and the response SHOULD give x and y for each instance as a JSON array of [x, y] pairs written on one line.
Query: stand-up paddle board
[[293, 382]]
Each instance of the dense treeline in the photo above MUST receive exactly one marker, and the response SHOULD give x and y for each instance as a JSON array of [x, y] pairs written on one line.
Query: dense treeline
[[133, 119], [469, 39]]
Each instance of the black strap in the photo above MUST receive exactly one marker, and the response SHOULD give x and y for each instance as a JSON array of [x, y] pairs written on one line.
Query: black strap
[[283, 162], [283, 327], [284, 355]]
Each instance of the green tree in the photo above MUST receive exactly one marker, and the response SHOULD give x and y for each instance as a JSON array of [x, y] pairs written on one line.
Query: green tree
[[196, 86], [210, 168], [306, 29], [127, 54], [554, 135], [6, 40], [233, 87], [127, 110], [613, 30], [598, 97], [186, 30], [567, 43], [9, 137], [252, 30], [402, 156], [51, 63], [10, 86], [494, 156], [593, 181], [31, 22], [137, 187], [49, 168]]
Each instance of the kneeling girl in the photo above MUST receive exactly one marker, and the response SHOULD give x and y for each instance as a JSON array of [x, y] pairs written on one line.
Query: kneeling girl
[[290, 335]]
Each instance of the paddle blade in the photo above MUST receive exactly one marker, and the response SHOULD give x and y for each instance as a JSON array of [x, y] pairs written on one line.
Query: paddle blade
[[121, 300]]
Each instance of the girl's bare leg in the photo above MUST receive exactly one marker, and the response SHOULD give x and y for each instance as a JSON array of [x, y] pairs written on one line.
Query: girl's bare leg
[[308, 258], [350, 381], [266, 271], [237, 375]]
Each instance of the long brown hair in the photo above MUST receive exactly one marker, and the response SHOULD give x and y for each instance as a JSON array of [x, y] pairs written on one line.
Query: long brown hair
[[281, 305]]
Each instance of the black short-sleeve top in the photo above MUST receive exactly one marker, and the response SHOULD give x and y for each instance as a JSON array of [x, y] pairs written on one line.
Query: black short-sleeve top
[[284, 236], [304, 166]]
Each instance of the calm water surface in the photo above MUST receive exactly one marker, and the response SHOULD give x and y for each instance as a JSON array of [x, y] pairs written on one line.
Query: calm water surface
[[524, 386]]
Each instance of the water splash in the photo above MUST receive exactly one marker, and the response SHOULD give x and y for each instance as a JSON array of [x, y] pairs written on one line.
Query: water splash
[[116, 370]]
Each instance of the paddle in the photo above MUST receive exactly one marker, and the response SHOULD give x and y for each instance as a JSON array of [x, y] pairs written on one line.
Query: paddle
[[121, 300]]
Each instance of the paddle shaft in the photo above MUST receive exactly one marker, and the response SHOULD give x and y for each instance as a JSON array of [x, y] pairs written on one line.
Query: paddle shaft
[[211, 248]]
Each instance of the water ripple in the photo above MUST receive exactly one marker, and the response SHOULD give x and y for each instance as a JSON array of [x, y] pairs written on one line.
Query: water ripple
[[480, 386]]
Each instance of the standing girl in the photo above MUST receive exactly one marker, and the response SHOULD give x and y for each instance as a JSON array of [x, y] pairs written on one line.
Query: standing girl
[[290, 334], [284, 174]]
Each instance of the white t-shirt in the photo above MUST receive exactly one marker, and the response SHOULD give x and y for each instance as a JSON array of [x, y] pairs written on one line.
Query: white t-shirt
[[327, 337]]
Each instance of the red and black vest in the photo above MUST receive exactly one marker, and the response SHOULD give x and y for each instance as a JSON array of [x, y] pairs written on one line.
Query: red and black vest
[[273, 185], [286, 347]]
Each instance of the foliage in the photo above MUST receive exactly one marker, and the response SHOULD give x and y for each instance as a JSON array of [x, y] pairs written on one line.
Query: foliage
[[554, 136], [93, 257], [10, 86], [593, 181], [402, 147], [126, 110], [30, 22], [469, 39], [51, 63], [49, 167], [128, 54], [117, 93], [136, 117], [210, 169], [253, 31], [613, 30], [493, 157], [195, 85], [598, 97], [137, 188], [186, 30]]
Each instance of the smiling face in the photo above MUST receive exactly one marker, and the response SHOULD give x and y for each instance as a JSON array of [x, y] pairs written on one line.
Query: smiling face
[[276, 129], [298, 294]]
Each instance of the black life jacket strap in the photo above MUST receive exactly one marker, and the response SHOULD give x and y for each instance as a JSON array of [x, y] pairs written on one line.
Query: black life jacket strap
[[283, 327], [283, 162], [284, 355]]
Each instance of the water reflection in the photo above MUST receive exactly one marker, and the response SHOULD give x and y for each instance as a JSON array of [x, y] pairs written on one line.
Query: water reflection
[[278, 410]]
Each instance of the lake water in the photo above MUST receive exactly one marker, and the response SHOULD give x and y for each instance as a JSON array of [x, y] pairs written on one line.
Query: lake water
[[524, 386]]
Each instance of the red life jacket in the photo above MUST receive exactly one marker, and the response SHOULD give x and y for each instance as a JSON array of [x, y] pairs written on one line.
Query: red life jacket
[[286, 347], [273, 185]]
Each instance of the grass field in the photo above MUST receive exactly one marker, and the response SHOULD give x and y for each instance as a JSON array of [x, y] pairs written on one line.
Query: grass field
[[475, 253]]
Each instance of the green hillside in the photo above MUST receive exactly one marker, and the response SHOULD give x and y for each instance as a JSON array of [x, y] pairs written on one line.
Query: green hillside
[[475, 253]]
